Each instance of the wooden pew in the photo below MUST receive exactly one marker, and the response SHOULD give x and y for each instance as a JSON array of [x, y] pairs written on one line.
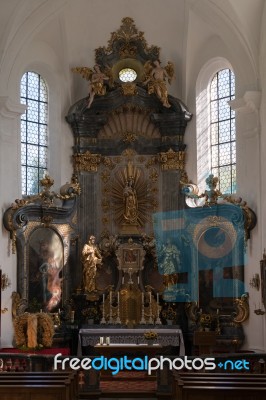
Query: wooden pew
[[218, 386], [36, 386], [30, 391], [46, 377]]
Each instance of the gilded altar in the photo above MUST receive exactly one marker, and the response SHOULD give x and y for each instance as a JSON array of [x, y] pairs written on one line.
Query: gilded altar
[[129, 161]]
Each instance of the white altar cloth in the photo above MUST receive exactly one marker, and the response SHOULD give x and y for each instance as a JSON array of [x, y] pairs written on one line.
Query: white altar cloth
[[165, 337]]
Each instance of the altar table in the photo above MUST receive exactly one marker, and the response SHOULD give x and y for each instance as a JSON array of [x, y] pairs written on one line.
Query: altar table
[[165, 337], [112, 349]]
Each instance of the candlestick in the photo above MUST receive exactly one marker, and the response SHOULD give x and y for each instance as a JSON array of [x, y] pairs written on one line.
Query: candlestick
[[130, 276], [150, 319], [103, 321], [111, 309], [158, 320], [142, 321], [217, 311], [72, 316], [118, 320]]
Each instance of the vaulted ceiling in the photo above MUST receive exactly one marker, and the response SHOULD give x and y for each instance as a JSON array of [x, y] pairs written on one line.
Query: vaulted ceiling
[[72, 29]]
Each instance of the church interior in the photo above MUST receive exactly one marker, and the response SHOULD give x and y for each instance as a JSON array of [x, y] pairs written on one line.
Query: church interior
[[131, 180]]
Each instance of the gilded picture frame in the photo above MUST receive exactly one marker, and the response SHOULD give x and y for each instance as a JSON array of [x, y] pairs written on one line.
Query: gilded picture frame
[[130, 255], [263, 279]]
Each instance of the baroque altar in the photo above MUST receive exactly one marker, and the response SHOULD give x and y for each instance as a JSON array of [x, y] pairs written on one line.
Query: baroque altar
[[129, 183], [128, 151]]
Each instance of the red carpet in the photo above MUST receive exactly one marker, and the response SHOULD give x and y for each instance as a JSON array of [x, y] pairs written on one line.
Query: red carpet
[[128, 382], [128, 386], [12, 350]]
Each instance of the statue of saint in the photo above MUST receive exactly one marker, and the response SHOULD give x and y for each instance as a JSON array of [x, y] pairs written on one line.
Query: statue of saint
[[130, 203], [91, 257], [170, 262]]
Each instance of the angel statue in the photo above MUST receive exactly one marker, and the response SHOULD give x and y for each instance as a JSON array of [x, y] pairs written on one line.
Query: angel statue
[[155, 77], [96, 80]]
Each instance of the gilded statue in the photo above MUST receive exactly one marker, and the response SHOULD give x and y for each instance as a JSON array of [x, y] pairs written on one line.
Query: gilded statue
[[130, 203], [210, 195], [213, 193], [155, 78], [91, 257], [96, 79]]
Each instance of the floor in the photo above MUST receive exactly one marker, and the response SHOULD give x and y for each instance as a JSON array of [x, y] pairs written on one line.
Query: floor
[[129, 384]]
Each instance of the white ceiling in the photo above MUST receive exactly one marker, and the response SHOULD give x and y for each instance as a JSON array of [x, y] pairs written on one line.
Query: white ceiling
[[74, 28]]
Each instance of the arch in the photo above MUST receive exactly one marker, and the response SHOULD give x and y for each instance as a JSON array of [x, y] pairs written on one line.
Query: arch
[[34, 131], [42, 60], [203, 120], [225, 22]]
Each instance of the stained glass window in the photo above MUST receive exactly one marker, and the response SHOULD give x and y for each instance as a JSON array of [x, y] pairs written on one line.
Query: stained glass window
[[34, 131], [223, 139]]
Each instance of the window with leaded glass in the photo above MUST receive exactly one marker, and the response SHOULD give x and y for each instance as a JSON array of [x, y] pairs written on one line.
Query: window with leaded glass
[[223, 139], [34, 131]]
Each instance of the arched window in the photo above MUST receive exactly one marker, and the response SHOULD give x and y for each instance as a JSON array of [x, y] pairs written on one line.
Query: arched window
[[222, 130], [34, 131], [216, 138]]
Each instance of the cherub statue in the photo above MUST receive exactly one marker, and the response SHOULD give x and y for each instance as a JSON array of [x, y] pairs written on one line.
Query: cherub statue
[[155, 77], [213, 193], [96, 80], [210, 195]]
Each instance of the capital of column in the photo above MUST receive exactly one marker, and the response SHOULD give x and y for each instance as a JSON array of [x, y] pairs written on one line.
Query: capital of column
[[250, 102], [10, 108]]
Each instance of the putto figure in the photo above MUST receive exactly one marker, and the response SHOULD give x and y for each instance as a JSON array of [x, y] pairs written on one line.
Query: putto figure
[[91, 257], [155, 78]]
